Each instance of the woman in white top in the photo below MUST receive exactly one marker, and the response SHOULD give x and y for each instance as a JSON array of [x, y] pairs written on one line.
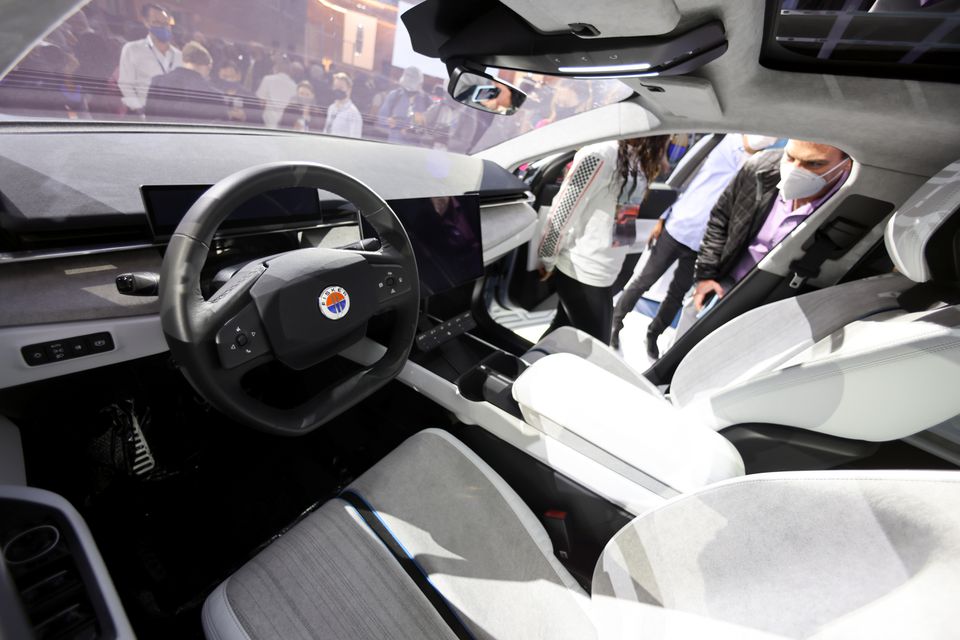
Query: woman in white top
[[578, 240]]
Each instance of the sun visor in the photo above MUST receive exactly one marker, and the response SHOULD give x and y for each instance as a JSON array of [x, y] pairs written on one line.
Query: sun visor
[[485, 33], [922, 236]]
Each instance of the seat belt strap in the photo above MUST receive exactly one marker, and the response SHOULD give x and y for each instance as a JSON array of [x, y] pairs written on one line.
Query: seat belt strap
[[838, 234], [408, 564], [688, 166]]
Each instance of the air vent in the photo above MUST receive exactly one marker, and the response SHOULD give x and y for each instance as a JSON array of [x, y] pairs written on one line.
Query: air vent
[[47, 577]]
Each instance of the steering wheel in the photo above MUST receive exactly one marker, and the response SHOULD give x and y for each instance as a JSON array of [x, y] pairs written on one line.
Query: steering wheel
[[299, 307]]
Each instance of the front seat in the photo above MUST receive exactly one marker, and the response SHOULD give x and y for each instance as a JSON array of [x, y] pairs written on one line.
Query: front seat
[[821, 361], [432, 543]]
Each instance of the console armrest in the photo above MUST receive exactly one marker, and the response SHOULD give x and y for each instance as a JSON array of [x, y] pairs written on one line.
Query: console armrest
[[573, 400]]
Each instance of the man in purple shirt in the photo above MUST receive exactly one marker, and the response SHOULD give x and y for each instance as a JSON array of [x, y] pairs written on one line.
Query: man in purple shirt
[[770, 196]]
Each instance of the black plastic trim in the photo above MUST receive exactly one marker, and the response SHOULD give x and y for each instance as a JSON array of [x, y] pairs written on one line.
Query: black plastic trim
[[409, 565], [768, 447]]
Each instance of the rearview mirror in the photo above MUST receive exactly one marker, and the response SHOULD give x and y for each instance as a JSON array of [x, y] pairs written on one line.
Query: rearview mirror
[[484, 92]]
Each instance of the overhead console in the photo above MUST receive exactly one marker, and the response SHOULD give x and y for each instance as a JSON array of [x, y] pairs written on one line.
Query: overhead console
[[481, 33]]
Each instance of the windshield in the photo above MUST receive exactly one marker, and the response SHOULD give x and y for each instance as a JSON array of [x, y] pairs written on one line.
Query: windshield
[[320, 66]]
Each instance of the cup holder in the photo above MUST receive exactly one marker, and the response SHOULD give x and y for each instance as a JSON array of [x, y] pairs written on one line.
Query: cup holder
[[492, 381]]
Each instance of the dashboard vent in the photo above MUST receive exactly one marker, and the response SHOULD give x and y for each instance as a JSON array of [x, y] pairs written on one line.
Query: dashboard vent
[[47, 577]]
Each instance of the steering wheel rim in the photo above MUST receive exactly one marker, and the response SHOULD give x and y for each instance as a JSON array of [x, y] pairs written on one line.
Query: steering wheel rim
[[283, 297]]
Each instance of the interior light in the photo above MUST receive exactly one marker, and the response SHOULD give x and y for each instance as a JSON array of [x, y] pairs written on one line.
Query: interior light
[[607, 68]]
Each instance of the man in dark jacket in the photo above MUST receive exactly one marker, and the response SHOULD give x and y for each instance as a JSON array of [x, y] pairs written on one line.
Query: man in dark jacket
[[186, 93], [769, 197]]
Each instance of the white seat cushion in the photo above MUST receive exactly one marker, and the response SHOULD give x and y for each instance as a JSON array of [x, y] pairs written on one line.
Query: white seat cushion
[[578, 343], [868, 554], [619, 425]]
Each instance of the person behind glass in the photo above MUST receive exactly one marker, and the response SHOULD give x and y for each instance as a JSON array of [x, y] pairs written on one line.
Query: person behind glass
[[242, 105], [186, 93], [301, 114], [578, 241], [404, 109], [142, 60], [677, 235], [343, 117], [277, 90], [769, 197]]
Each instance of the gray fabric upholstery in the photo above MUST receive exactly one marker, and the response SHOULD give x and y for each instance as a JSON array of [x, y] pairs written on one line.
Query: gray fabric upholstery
[[805, 555], [820, 555], [570, 340], [480, 545], [328, 577], [763, 338]]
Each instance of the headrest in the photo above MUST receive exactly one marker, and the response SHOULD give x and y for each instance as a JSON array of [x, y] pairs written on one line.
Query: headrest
[[923, 236]]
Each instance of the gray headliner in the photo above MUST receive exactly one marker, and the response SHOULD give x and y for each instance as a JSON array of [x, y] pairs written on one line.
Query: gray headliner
[[906, 126]]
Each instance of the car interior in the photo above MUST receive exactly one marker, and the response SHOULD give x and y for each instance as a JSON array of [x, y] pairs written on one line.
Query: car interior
[[256, 381]]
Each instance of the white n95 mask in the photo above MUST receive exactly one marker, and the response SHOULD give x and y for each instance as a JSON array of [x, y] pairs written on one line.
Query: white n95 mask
[[797, 182]]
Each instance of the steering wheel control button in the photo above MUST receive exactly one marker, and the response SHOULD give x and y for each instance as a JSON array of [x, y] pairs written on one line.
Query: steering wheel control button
[[59, 350], [241, 339], [334, 302], [391, 283]]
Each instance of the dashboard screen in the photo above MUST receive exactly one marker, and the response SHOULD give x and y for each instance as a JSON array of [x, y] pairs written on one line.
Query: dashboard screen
[[166, 206], [445, 233]]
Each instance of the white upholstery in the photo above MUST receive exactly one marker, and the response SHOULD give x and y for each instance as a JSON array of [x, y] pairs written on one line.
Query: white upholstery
[[580, 343], [879, 379], [867, 554], [802, 555], [844, 360], [576, 402], [911, 227]]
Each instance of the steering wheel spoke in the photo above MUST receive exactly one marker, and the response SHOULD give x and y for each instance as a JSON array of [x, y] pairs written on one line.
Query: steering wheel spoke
[[229, 299]]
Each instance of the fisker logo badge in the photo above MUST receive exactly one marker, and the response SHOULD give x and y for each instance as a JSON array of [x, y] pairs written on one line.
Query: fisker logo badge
[[334, 302]]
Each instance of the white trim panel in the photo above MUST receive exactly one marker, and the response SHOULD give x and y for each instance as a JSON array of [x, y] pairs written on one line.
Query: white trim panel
[[133, 338]]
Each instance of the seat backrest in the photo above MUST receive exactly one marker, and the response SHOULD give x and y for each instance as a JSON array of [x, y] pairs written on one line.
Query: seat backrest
[[863, 554], [827, 360]]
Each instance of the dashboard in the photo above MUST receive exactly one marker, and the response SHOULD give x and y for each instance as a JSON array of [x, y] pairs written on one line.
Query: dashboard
[[81, 205]]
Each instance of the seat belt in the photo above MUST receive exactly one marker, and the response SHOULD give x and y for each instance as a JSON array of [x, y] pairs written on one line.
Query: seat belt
[[837, 235], [689, 164]]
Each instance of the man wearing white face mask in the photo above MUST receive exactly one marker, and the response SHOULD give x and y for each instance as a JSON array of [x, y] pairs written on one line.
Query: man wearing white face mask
[[770, 196], [676, 238]]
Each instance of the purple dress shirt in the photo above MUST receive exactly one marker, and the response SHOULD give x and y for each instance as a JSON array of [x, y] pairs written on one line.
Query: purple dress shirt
[[781, 220]]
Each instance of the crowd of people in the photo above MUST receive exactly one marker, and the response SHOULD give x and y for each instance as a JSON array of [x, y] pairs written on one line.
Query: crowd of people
[[741, 201], [155, 72]]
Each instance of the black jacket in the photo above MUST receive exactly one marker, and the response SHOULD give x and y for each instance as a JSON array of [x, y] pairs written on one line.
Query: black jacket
[[184, 94], [738, 215]]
